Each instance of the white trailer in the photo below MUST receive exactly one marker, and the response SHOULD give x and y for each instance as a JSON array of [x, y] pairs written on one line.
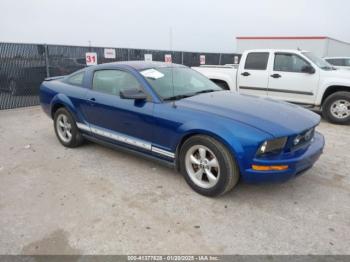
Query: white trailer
[[322, 46]]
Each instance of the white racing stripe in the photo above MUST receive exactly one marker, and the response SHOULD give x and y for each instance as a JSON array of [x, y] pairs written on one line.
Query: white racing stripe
[[125, 139], [163, 152]]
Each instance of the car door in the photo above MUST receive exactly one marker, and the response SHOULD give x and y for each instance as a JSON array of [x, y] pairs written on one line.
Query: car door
[[112, 118], [293, 79], [253, 76]]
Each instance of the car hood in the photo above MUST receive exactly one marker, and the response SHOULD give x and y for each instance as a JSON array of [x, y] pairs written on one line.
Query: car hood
[[339, 73], [274, 117]]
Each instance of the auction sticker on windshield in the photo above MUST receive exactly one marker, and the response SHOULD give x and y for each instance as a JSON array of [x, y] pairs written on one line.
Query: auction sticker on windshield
[[152, 73]]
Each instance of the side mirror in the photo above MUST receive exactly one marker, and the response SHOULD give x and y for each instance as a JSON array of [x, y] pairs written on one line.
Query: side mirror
[[133, 93], [308, 69]]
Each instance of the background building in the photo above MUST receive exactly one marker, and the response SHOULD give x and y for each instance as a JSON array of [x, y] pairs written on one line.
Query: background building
[[320, 45]]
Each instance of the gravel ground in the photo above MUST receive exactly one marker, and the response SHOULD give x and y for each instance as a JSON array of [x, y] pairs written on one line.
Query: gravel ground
[[94, 200]]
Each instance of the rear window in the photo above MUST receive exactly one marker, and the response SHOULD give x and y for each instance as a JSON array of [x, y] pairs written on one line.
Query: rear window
[[336, 61], [256, 61], [76, 79]]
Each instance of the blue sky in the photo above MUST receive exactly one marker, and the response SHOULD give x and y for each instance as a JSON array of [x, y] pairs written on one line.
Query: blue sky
[[197, 25]]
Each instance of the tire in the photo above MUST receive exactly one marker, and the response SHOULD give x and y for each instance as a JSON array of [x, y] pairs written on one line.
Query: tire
[[63, 121], [336, 108], [226, 172]]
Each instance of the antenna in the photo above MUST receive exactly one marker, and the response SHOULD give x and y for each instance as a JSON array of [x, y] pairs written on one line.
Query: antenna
[[172, 67]]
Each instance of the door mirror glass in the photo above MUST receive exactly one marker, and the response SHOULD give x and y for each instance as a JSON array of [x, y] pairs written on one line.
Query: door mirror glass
[[133, 93]]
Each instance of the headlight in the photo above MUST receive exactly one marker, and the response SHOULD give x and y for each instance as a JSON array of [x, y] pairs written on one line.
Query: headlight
[[304, 137], [272, 146]]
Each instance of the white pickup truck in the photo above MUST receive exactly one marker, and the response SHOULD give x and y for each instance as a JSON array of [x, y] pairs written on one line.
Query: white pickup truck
[[290, 75]]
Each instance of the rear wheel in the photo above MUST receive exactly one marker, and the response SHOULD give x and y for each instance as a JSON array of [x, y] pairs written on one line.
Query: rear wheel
[[336, 108], [66, 129], [208, 167]]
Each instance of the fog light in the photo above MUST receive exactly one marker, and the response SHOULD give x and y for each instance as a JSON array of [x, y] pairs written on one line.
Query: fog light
[[269, 168]]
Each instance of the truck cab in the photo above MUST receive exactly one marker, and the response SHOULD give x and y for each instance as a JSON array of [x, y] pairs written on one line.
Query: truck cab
[[295, 76]]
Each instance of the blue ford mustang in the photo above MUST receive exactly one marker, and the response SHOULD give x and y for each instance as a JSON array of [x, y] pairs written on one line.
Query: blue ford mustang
[[171, 113]]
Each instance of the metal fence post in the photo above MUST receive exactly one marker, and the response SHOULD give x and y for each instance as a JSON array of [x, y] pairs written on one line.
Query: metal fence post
[[47, 61], [182, 57]]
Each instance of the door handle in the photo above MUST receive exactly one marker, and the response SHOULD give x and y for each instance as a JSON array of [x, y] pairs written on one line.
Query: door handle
[[92, 99], [276, 76], [245, 74]]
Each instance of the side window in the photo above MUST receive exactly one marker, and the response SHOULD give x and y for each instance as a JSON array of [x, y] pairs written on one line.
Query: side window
[[347, 62], [76, 79], [289, 63], [256, 61], [112, 81], [336, 61]]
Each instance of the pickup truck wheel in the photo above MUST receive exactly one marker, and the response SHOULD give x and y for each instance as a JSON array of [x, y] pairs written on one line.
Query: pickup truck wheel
[[336, 108], [208, 167], [66, 129]]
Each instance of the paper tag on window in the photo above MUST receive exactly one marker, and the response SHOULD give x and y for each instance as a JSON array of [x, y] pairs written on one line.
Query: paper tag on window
[[152, 73]]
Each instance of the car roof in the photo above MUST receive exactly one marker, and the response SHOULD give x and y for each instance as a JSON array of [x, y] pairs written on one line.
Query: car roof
[[141, 65]]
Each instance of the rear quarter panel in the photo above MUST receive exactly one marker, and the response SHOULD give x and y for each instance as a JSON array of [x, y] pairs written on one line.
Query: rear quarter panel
[[57, 93]]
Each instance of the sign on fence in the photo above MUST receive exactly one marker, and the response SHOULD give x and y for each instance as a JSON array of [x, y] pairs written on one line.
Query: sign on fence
[[91, 58], [167, 58], [202, 59], [148, 57], [109, 53]]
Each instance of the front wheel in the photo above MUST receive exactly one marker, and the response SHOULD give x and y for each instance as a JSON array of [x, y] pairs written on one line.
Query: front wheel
[[336, 108], [208, 167], [66, 129]]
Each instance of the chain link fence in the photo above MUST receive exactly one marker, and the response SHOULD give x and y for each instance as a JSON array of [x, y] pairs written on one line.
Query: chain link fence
[[24, 66]]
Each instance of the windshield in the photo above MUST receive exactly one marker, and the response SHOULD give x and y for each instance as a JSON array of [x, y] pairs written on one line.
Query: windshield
[[172, 83], [321, 63]]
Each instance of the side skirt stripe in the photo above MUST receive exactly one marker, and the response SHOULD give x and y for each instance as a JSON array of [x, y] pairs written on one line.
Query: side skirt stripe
[[125, 139]]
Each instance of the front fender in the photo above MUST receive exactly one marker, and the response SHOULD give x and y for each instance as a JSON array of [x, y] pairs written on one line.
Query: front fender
[[241, 140], [328, 84]]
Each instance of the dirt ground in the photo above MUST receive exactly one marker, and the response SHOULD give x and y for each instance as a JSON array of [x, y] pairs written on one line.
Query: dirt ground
[[94, 200]]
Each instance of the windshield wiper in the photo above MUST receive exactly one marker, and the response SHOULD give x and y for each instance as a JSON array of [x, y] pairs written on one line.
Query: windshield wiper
[[177, 97], [327, 68], [205, 91]]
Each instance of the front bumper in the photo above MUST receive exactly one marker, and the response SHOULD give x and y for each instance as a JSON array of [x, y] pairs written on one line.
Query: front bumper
[[297, 163]]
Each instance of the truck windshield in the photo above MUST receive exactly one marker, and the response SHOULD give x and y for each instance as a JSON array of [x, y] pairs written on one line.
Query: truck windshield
[[321, 63], [173, 83]]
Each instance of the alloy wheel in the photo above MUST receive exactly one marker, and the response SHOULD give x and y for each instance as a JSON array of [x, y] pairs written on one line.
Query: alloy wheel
[[340, 109], [202, 166], [64, 128]]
